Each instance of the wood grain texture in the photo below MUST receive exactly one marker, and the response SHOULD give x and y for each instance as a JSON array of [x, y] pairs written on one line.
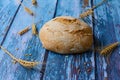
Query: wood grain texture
[[8, 10], [26, 44], [107, 31], [70, 67]]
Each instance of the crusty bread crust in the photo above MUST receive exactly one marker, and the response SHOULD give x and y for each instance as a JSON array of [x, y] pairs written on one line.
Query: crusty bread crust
[[66, 35]]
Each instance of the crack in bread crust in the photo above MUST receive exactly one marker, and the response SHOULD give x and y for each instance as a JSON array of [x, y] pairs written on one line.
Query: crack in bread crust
[[67, 21]]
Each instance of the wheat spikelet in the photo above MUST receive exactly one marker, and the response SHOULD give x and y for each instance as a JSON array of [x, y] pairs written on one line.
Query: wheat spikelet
[[107, 50], [25, 8], [24, 31], [28, 11], [27, 64], [24, 63], [34, 30], [87, 13], [90, 11], [34, 2]]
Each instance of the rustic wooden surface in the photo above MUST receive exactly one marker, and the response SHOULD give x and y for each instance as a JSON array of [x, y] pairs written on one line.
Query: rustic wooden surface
[[87, 66], [106, 32]]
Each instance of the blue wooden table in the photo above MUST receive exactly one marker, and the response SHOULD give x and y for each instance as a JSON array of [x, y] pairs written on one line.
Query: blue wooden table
[[88, 66]]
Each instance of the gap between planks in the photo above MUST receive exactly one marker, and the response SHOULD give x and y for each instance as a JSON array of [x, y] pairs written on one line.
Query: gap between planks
[[9, 26], [46, 51], [93, 25]]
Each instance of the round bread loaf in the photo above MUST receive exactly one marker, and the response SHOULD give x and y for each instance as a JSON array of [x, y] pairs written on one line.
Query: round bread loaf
[[66, 35]]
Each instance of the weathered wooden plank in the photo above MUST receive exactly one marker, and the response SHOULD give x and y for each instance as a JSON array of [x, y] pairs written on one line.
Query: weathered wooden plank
[[70, 67], [8, 10], [106, 32], [26, 44]]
